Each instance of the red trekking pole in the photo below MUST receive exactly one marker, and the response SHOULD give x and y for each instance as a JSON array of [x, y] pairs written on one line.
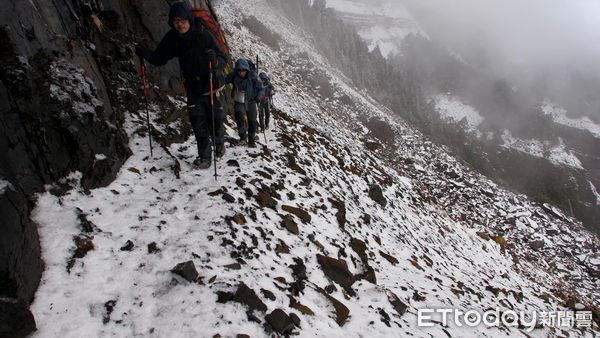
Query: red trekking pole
[[146, 99], [212, 111]]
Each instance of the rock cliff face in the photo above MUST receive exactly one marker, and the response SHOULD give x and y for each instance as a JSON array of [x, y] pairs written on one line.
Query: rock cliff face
[[62, 64]]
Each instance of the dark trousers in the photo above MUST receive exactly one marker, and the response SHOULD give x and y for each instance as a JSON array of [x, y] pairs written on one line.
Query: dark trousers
[[247, 111], [202, 123], [264, 115]]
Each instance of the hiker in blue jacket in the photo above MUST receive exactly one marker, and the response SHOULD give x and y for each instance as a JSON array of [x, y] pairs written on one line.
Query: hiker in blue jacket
[[247, 90], [195, 47], [265, 101]]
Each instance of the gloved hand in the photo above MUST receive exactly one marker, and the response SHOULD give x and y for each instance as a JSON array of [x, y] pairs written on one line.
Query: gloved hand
[[139, 50], [212, 56]]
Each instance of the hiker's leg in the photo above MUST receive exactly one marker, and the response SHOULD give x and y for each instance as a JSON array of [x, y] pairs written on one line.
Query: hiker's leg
[[267, 113], [239, 111], [251, 120], [261, 117], [199, 124], [219, 121]]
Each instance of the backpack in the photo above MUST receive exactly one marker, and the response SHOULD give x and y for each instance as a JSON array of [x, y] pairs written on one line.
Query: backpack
[[204, 13]]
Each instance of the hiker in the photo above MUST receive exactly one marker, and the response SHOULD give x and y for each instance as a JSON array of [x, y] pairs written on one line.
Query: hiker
[[265, 101], [195, 47], [247, 89]]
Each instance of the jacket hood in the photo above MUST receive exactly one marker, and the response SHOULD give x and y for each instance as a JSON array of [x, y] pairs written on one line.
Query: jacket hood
[[180, 10], [263, 76], [242, 64]]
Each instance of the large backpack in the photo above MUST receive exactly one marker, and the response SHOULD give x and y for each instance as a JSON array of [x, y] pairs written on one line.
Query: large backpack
[[203, 12]]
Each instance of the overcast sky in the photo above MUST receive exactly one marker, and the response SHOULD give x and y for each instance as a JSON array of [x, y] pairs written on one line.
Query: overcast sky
[[519, 33]]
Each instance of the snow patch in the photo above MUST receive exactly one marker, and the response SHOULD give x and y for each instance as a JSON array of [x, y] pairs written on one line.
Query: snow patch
[[557, 154], [559, 115], [451, 107], [595, 192], [70, 86], [4, 185]]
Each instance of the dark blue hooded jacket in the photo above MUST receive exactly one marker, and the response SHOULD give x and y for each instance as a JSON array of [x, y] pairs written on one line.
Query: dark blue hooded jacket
[[190, 48], [249, 84]]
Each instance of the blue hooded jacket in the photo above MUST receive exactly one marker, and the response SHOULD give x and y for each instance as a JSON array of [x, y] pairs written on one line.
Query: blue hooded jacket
[[190, 49], [249, 84]]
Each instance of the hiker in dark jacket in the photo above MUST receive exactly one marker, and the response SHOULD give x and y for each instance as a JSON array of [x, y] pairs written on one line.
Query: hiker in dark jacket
[[194, 47], [265, 101], [247, 89]]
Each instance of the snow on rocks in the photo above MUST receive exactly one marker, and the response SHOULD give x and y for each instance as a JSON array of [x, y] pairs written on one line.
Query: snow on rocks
[[451, 107], [559, 115], [69, 85], [5, 185], [557, 154], [595, 192]]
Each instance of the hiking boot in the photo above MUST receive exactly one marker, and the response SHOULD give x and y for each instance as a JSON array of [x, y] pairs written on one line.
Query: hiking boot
[[220, 150], [202, 163], [251, 143], [243, 140]]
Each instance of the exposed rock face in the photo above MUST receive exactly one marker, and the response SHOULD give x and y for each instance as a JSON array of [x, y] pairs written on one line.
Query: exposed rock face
[[59, 111], [15, 318], [20, 263]]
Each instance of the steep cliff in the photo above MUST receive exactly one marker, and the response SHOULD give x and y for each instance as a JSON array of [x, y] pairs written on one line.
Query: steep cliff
[[62, 67]]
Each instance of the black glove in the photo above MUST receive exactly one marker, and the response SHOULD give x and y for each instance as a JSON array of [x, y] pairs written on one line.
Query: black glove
[[139, 51], [211, 56]]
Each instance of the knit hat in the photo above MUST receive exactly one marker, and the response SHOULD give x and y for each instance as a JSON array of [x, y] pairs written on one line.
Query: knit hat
[[180, 10]]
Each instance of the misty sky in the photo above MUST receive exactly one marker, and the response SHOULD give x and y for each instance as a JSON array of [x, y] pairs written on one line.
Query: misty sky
[[517, 33]]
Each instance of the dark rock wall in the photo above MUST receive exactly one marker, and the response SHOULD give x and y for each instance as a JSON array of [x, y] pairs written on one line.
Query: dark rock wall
[[60, 112]]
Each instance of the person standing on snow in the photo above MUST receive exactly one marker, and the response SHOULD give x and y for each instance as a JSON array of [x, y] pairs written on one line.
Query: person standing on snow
[[194, 47], [265, 101], [247, 90]]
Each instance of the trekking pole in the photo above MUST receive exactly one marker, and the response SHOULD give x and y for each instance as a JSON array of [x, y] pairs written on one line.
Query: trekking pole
[[272, 112], [212, 110], [143, 66], [263, 129]]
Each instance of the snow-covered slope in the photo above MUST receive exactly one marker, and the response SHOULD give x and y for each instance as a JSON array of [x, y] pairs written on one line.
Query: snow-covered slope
[[452, 108], [555, 153], [559, 115], [350, 233]]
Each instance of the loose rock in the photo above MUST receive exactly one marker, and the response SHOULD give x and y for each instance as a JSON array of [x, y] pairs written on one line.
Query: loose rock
[[280, 321], [245, 295], [187, 270]]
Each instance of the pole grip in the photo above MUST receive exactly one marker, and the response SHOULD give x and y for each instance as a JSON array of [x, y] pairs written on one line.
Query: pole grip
[[143, 70]]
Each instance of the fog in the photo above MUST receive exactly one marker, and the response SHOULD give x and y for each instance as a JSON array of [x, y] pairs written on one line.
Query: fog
[[524, 41]]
